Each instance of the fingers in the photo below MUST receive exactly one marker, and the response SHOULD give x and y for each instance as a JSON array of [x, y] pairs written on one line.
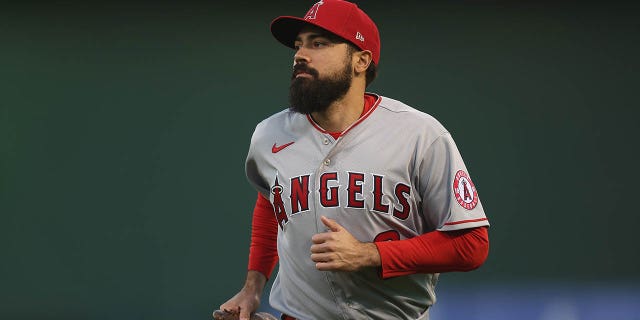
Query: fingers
[[327, 266], [320, 243], [217, 315], [321, 257], [320, 238], [331, 224], [324, 263], [238, 314], [327, 261], [229, 308], [224, 315], [245, 314]]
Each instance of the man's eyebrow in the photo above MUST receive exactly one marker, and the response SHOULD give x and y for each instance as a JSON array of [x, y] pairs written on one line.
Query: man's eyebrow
[[328, 36], [311, 36]]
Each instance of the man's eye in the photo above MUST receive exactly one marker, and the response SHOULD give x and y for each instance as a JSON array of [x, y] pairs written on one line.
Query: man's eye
[[318, 44]]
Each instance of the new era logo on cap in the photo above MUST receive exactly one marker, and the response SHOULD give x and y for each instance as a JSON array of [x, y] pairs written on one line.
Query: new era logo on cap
[[339, 17]]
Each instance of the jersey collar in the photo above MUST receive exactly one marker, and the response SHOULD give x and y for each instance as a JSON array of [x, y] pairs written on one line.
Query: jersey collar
[[363, 116]]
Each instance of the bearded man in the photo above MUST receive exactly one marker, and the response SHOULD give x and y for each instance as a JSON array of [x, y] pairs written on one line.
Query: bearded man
[[362, 199]]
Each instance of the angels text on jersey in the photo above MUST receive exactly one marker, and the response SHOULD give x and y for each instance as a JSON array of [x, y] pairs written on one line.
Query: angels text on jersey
[[331, 192]]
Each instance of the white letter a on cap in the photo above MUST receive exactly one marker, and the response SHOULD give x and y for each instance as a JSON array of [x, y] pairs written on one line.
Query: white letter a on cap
[[311, 14]]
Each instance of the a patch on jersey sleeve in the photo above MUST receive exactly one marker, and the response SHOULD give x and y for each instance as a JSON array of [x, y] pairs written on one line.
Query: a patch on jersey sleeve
[[465, 191]]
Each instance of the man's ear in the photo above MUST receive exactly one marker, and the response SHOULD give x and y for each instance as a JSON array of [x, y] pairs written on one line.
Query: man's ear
[[362, 60]]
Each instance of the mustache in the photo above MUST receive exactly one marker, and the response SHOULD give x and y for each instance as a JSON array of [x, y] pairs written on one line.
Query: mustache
[[303, 68]]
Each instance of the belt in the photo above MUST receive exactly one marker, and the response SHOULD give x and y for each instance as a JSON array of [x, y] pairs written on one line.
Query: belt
[[286, 317]]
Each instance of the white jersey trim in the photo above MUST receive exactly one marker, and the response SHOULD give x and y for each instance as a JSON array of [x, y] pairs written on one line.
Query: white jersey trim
[[465, 224]]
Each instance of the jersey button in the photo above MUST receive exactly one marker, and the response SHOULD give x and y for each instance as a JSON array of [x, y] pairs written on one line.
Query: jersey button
[[327, 162], [325, 141]]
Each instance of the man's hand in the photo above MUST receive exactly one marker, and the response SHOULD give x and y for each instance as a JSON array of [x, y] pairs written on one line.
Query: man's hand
[[338, 250], [222, 315], [247, 301]]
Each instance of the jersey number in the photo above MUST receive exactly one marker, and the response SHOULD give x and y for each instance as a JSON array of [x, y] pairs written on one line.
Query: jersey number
[[390, 235]]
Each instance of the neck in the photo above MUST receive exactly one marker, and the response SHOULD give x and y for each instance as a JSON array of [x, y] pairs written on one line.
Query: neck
[[343, 112]]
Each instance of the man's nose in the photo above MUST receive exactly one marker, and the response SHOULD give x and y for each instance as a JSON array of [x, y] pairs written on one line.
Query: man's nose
[[301, 56]]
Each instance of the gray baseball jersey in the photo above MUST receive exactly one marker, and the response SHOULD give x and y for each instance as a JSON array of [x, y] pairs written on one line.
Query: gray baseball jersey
[[394, 174]]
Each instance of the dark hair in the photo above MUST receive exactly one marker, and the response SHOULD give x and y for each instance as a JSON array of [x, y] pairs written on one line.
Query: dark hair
[[372, 70]]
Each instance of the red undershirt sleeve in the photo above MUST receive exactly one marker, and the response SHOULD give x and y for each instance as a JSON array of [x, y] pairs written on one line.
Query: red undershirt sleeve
[[435, 252], [263, 251]]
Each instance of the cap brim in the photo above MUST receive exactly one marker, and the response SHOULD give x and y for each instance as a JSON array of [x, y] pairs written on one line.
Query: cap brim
[[286, 28]]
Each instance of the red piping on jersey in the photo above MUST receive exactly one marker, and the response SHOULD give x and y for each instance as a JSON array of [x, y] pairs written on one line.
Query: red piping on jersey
[[362, 117], [464, 221]]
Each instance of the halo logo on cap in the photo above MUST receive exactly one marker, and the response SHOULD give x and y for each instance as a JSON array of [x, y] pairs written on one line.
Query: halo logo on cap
[[311, 14]]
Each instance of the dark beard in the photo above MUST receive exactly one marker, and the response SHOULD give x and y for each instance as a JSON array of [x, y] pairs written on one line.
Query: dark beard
[[308, 95]]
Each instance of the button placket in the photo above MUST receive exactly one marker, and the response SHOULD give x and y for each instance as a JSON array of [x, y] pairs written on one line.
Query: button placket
[[330, 144]]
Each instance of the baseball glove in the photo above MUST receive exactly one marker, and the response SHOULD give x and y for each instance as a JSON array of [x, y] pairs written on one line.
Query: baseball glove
[[223, 315]]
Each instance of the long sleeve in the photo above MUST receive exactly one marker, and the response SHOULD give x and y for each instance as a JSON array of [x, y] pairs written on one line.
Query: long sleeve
[[263, 251], [434, 252]]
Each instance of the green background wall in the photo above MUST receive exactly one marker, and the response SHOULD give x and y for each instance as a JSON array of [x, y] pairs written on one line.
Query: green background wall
[[124, 127]]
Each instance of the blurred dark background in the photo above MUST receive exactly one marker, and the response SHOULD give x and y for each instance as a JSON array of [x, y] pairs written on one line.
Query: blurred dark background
[[124, 127]]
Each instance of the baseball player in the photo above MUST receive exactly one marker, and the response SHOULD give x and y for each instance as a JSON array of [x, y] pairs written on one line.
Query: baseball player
[[362, 200]]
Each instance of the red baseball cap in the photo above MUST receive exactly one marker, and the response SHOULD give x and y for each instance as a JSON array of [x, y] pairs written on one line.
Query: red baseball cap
[[339, 17]]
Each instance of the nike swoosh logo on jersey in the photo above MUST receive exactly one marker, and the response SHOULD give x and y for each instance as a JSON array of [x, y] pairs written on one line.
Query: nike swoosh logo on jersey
[[276, 149]]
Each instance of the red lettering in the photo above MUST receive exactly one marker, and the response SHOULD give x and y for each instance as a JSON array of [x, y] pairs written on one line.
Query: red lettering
[[467, 194], [328, 196], [402, 193], [390, 235], [299, 194], [377, 195], [355, 188]]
